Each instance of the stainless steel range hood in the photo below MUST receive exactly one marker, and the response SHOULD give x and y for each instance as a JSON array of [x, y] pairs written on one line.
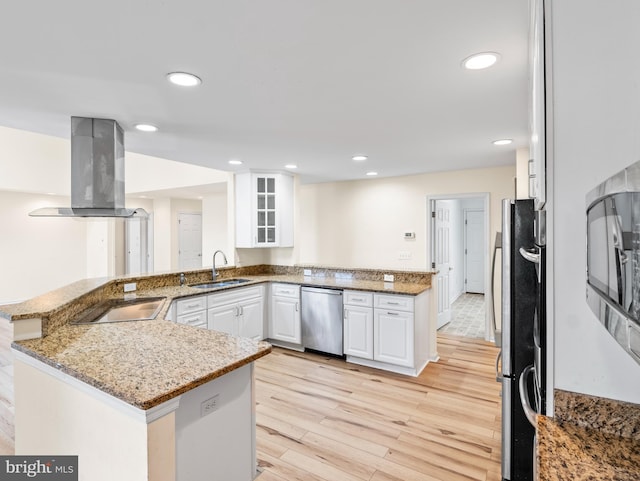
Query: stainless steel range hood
[[97, 172]]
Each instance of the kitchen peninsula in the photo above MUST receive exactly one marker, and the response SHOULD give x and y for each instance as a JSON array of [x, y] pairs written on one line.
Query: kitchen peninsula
[[159, 400]]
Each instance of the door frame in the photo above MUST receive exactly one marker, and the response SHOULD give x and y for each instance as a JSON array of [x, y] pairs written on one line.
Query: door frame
[[485, 196]]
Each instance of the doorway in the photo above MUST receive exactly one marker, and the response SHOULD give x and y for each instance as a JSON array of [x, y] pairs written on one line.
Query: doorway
[[459, 251], [138, 245], [189, 241]]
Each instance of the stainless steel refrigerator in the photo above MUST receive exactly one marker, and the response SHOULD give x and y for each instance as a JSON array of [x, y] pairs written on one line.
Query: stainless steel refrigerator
[[522, 338]]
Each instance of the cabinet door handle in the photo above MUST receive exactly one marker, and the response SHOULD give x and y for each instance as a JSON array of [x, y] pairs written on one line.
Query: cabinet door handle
[[358, 299], [346, 313], [297, 308], [241, 310], [391, 313], [391, 303]]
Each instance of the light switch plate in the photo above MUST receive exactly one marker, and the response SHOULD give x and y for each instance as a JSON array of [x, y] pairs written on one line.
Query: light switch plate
[[130, 287], [388, 278]]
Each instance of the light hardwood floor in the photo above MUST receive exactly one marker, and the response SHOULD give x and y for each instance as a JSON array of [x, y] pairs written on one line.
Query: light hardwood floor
[[321, 419]]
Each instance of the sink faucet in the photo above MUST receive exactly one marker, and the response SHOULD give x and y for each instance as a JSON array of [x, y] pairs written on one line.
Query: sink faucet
[[214, 274]]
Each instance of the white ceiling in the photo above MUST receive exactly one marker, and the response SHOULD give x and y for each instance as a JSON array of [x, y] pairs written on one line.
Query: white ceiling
[[310, 82]]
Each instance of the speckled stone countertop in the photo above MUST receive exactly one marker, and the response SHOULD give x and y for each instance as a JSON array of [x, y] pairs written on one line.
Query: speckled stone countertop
[[589, 438], [146, 363], [143, 363]]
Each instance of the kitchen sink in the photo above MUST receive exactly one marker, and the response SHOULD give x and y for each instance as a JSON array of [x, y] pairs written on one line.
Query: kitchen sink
[[118, 310], [222, 283]]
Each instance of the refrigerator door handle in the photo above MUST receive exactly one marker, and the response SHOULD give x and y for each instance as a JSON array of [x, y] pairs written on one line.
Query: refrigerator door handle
[[497, 331], [532, 255], [529, 412], [499, 376]]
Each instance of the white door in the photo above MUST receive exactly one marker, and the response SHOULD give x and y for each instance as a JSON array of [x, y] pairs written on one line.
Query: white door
[[358, 331], [224, 318], [189, 241], [285, 320], [252, 319], [474, 251], [393, 337], [136, 232], [441, 255]]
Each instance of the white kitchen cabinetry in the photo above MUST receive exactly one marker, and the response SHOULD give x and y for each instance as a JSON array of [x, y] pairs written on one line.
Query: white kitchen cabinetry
[[284, 322], [393, 337], [403, 333], [238, 312], [264, 210], [358, 324], [191, 311]]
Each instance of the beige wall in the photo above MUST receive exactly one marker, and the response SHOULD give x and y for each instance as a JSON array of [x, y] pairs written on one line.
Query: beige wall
[[361, 223], [38, 254]]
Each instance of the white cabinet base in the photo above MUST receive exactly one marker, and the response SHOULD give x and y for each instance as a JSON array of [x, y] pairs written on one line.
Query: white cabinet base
[[407, 371]]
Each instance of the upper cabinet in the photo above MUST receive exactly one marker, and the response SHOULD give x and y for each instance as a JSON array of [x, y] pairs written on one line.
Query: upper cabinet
[[537, 104], [264, 210]]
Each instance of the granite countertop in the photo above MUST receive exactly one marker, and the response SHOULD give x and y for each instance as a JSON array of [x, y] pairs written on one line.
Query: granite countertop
[[143, 363], [146, 363], [590, 438]]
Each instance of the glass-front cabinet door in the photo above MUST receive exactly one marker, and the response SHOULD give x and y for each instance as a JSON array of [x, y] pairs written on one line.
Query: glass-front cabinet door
[[266, 210]]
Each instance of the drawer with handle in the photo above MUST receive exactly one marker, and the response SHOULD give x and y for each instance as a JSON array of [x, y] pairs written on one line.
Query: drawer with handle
[[397, 303], [198, 319], [191, 304], [358, 298], [285, 290]]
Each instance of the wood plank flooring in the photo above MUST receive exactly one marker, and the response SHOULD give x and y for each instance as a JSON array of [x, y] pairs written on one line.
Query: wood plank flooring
[[321, 419]]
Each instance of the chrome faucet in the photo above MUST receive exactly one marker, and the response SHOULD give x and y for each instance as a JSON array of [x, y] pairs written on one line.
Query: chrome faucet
[[214, 274]]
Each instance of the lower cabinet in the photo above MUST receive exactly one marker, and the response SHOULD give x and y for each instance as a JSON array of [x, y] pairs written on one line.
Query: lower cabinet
[[284, 322], [358, 324], [393, 337], [238, 312], [191, 311], [380, 331]]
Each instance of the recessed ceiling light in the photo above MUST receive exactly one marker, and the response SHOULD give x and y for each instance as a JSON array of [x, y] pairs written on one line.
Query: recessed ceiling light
[[235, 162], [291, 166], [184, 79], [479, 61], [502, 142], [146, 127], [371, 174], [359, 158]]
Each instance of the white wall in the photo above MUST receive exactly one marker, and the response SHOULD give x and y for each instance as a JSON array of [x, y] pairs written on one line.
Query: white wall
[[522, 169], [214, 227], [361, 223], [596, 99], [38, 254]]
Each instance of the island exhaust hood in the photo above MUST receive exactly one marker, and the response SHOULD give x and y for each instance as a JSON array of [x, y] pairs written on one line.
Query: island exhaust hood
[[97, 172]]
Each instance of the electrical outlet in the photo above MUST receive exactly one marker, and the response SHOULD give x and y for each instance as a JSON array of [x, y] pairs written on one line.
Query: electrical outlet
[[209, 406], [307, 272], [388, 278], [404, 255], [130, 287]]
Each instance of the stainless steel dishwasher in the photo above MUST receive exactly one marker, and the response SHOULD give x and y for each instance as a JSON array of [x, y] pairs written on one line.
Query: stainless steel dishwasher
[[322, 319]]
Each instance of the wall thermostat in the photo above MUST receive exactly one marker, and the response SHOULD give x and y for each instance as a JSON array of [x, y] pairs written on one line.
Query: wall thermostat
[[409, 235]]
